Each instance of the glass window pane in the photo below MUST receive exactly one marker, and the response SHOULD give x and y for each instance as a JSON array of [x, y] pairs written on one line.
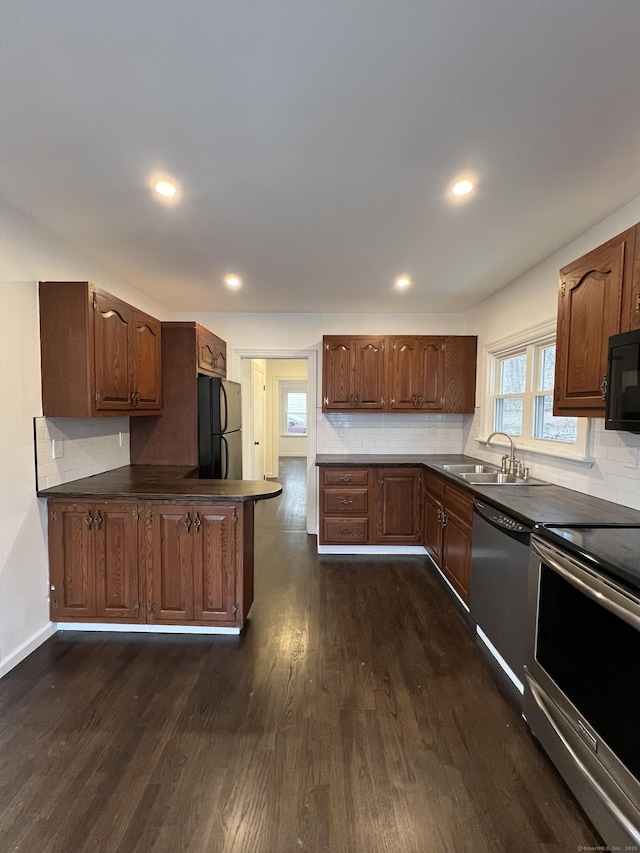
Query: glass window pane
[[513, 374], [550, 428], [547, 368], [296, 413], [509, 415]]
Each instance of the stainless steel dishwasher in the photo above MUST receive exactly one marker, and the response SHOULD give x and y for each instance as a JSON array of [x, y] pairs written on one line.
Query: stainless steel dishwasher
[[498, 586]]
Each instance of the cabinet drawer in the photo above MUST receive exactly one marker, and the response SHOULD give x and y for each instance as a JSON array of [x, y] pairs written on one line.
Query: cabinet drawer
[[459, 503], [346, 530], [434, 486], [340, 476], [346, 501]]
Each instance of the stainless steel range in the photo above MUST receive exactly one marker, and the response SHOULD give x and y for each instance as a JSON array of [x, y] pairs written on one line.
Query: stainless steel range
[[582, 676]]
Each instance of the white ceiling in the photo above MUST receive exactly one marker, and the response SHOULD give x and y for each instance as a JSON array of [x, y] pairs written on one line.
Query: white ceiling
[[315, 140]]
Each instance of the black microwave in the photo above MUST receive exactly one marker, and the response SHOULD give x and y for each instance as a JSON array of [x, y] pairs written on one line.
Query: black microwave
[[623, 383]]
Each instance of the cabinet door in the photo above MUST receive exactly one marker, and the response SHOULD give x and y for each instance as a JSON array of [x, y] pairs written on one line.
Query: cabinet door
[[170, 559], [219, 357], [634, 290], [399, 506], [457, 554], [589, 311], [112, 324], [338, 360], [429, 380], [214, 564], [146, 355], [369, 374], [71, 561], [212, 353], [433, 529], [115, 532]]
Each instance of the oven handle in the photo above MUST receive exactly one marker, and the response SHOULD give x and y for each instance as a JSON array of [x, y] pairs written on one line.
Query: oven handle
[[629, 611], [604, 796]]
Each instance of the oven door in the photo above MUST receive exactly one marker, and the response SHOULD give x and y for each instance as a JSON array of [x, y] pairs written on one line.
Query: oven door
[[582, 686]]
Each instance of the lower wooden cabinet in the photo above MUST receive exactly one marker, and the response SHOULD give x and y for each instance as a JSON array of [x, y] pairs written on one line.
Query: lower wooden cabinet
[[448, 521], [155, 561], [399, 506]]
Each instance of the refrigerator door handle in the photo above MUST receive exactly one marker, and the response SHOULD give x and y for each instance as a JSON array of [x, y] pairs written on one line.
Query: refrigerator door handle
[[224, 408], [225, 460]]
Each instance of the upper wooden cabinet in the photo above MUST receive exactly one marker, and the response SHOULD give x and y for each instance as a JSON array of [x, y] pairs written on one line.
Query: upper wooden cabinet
[[186, 347], [634, 294], [420, 373], [212, 352], [99, 355], [353, 372], [595, 300]]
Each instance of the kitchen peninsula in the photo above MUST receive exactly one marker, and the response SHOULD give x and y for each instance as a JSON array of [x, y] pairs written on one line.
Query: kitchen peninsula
[[151, 545]]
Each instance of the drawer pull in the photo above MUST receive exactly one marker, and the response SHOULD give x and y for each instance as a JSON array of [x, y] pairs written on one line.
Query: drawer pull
[[346, 531], [346, 478], [345, 501]]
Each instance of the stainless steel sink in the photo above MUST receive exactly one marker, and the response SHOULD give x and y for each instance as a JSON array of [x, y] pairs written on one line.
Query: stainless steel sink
[[471, 469], [497, 478]]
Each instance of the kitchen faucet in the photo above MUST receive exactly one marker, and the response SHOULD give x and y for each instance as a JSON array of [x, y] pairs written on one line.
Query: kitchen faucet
[[510, 465]]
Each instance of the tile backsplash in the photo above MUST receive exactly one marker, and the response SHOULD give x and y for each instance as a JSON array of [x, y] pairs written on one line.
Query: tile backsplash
[[70, 448], [392, 433]]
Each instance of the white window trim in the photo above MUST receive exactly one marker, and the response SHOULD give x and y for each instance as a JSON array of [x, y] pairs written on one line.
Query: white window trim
[[538, 335], [298, 386]]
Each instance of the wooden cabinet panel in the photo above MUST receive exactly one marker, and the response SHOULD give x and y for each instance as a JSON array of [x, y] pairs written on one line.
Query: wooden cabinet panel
[[147, 367], [345, 476], [99, 356], [633, 304], [71, 558], [214, 564], [590, 304], [460, 357], [340, 501], [416, 373], [433, 529], [170, 573], [353, 373], [399, 506], [93, 561], [457, 555], [345, 531], [211, 353]]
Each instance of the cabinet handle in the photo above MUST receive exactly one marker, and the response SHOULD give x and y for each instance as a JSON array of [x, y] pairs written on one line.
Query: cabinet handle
[[346, 501], [442, 402], [346, 478], [326, 401], [187, 522], [420, 400], [603, 387], [637, 301], [415, 400], [88, 519], [439, 514], [197, 522], [357, 399], [346, 531], [98, 520], [444, 519]]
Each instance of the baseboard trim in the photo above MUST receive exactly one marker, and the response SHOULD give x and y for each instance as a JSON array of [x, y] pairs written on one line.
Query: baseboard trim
[[25, 649], [450, 585], [389, 550], [499, 659], [143, 629]]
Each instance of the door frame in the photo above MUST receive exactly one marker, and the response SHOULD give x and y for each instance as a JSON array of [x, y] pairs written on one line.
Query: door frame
[[311, 357]]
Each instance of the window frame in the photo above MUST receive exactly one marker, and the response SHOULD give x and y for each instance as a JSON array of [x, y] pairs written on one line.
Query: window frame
[[291, 386], [530, 341]]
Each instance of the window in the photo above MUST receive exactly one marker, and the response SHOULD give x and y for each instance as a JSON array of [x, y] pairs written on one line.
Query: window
[[293, 408], [520, 383]]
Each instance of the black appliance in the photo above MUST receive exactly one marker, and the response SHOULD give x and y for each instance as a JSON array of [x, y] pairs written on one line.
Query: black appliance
[[498, 587], [621, 387], [582, 676], [219, 429]]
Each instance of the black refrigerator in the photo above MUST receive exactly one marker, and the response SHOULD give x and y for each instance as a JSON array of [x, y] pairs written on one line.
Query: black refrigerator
[[219, 429]]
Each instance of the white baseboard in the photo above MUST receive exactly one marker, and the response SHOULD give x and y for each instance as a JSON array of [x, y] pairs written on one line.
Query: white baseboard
[[388, 550], [449, 584], [143, 629], [501, 661], [25, 649]]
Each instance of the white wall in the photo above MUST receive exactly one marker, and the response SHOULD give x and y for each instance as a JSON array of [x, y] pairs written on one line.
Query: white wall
[[27, 255], [531, 300]]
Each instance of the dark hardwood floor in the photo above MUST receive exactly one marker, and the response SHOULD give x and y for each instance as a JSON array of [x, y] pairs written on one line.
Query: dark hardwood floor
[[354, 715]]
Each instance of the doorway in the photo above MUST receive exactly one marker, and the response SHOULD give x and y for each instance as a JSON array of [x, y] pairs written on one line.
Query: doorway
[[279, 411]]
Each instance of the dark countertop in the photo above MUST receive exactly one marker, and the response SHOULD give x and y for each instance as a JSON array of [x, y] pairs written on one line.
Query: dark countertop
[[161, 482], [549, 504]]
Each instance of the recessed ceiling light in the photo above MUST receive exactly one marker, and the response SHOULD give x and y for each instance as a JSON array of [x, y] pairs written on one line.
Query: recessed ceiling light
[[166, 188], [232, 281], [403, 281], [462, 187]]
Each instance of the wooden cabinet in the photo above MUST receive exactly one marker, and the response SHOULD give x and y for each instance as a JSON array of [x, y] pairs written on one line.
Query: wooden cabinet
[[423, 373], [191, 555], [211, 351], [345, 506], [187, 350], [416, 379], [448, 522], [99, 355], [398, 505], [633, 304], [168, 562], [353, 373], [93, 561], [594, 302]]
